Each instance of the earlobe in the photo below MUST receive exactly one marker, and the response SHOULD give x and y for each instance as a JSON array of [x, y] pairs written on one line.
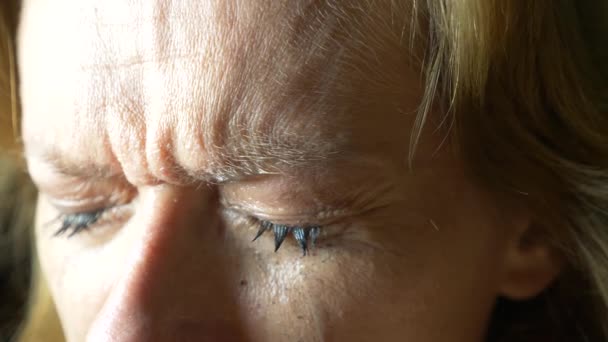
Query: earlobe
[[530, 266]]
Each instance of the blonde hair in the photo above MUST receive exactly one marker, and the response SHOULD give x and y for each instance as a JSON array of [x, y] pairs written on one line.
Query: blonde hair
[[522, 86], [526, 89]]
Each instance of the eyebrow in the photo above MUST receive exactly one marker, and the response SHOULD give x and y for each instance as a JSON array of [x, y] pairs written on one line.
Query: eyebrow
[[72, 168], [227, 168]]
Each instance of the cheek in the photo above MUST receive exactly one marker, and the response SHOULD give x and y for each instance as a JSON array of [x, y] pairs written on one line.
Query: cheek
[[402, 279], [439, 287], [79, 281]]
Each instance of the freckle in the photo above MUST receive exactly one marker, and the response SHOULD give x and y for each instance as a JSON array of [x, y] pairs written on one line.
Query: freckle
[[300, 317], [243, 282]]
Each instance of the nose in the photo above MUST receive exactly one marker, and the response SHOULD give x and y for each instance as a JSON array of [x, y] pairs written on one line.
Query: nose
[[174, 282]]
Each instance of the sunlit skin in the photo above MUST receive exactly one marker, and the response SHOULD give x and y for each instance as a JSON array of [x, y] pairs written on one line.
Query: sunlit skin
[[195, 120]]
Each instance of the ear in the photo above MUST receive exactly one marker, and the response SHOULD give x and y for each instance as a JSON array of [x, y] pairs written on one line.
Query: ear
[[530, 264]]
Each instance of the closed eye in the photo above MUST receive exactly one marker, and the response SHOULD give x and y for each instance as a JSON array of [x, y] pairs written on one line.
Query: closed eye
[[305, 236], [73, 224]]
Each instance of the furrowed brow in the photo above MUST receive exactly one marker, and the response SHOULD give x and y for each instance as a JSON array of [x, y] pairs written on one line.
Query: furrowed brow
[[224, 168]]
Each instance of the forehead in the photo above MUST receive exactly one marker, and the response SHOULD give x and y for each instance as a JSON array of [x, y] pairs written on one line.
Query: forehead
[[117, 78]]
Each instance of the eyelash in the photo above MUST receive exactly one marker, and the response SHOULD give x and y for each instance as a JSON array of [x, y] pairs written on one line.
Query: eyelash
[[305, 236], [302, 234], [78, 222]]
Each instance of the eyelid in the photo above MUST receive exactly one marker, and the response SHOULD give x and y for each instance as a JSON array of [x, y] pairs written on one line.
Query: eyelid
[[330, 228], [69, 190], [293, 200], [79, 205], [322, 218], [82, 196], [88, 204], [77, 221]]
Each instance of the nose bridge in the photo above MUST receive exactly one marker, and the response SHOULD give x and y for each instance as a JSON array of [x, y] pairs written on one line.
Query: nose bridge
[[174, 283]]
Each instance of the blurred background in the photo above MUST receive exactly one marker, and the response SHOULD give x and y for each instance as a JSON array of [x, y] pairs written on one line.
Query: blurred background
[[17, 194]]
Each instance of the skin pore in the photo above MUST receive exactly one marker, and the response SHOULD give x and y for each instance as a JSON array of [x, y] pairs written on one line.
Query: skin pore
[[189, 122]]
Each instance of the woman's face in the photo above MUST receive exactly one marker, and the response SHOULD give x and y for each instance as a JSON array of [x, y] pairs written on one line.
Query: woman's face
[[163, 134]]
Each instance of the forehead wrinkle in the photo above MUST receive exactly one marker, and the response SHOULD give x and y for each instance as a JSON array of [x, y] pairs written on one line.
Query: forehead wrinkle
[[245, 94], [272, 97], [259, 112], [125, 123]]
